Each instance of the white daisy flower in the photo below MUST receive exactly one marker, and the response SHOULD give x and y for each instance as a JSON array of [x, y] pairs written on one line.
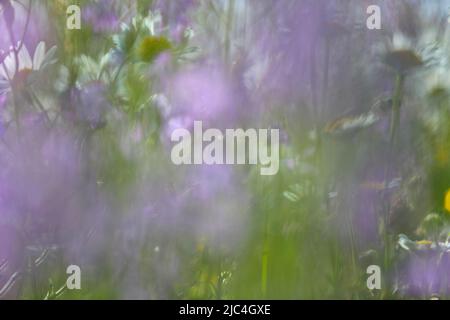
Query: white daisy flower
[[21, 70], [403, 54], [400, 54]]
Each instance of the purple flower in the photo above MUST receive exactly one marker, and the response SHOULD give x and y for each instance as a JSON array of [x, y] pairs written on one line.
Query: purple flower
[[282, 50], [90, 104], [175, 13], [177, 122], [426, 274], [202, 93], [48, 190], [38, 176], [366, 214], [102, 16]]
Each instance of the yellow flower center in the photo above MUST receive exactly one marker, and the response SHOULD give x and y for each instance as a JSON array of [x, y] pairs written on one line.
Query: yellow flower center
[[151, 47], [447, 201]]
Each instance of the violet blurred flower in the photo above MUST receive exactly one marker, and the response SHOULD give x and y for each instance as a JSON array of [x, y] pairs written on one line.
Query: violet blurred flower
[[38, 177], [366, 215], [45, 189], [177, 122], [202, 93], [90, 104], [427, 275], [282, 52], [102, 16], [175, 12]]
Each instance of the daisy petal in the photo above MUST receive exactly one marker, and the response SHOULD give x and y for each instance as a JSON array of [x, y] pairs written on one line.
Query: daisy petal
[[39, 55], [10, 65], [49, 57], [25, 61]]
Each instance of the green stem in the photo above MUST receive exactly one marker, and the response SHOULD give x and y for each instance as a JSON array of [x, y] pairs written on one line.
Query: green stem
[[396, 104], [395, 123]]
